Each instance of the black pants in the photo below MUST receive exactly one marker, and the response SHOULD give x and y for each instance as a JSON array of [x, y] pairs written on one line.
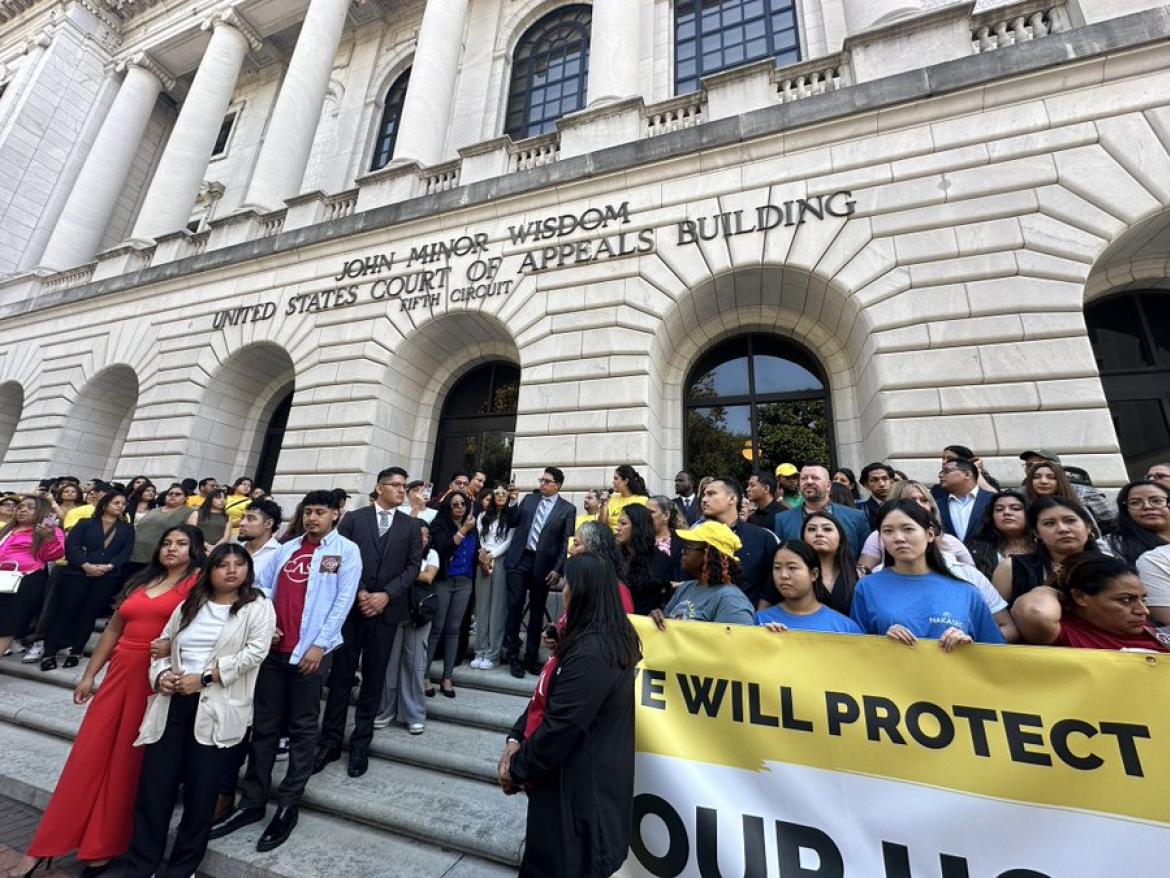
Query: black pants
[[78, 600], [523, 583], [18, 612], [368, 643], [233, 761], [176, 758], [286, 702], [45, 618]]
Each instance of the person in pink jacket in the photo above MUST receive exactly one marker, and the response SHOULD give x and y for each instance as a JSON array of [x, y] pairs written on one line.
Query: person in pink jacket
[[28, 543]]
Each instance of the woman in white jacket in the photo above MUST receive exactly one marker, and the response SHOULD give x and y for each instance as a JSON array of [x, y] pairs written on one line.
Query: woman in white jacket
[[204, 674]]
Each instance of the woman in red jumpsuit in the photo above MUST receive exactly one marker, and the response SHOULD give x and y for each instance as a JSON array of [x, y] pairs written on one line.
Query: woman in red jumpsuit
[[92, 809]]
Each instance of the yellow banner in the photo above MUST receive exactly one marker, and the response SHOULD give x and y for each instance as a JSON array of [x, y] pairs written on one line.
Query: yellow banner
[[1044, 728]]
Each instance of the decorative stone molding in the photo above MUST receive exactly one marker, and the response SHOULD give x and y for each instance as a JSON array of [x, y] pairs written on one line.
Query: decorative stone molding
[[232, 17], [42, 39], [149, 64]]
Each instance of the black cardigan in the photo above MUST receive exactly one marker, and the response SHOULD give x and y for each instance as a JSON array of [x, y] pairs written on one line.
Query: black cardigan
[[579, 764], [86, 545]]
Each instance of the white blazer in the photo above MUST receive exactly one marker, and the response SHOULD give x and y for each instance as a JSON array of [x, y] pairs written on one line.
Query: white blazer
[[225, 708]]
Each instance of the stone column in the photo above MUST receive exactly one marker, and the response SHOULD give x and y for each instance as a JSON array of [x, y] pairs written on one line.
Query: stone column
[[864, 14], [184, 161], [427, 108], [91, 202], [284, 154], [613, 52]]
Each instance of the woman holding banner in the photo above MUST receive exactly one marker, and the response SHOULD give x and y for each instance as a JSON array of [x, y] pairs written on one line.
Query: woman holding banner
[[1093, 602], [804, 600], [712, 590], [916, 596], [572, 750]]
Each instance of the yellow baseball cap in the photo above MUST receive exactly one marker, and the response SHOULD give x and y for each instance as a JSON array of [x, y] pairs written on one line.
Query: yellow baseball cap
[[715, 534], [786, 469]]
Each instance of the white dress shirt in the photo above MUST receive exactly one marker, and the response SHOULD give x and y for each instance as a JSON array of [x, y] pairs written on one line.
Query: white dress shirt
[[960, 509]]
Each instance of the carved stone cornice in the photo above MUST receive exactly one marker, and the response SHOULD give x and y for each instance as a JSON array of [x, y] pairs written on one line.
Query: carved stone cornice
[[232, 17], [42, 39], [146, 62]]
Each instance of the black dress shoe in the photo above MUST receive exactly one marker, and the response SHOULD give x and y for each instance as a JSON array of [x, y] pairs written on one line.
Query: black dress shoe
[[517, 668], [278, 831], [534, 666], [49, 663], [238, 818], [324, 757], [359, 761], [72, 661]]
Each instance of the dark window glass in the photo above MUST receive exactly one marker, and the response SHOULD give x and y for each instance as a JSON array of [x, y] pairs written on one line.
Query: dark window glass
[[225, 131], [754, 402], [273, 439], [730, 33], [388, 130], [550, 69], [478, 423], [1130, 334]]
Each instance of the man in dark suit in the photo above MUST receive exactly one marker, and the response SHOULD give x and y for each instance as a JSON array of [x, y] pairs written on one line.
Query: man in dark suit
[[391, 548], [688, 502], [961, 502], [543, 523]]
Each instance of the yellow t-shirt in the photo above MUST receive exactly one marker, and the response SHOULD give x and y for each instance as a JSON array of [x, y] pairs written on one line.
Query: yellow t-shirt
[[76, 514], [235, 507], [195, 501], [617, 503]]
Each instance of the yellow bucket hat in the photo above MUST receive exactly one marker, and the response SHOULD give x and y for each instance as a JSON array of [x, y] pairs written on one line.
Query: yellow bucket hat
[[715, 534]]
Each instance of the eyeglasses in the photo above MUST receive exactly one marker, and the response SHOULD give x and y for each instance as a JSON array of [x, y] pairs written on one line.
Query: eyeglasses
[[547, 481], [1141, 502]]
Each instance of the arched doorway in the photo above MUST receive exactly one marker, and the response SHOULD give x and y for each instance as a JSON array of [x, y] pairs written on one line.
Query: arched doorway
[[242, 417], [90, 443], [753, 402], [1130, 335], [478, 424]]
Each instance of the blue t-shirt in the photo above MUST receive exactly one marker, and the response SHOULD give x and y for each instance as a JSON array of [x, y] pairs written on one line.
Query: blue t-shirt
[[824, 619], [927, 604]]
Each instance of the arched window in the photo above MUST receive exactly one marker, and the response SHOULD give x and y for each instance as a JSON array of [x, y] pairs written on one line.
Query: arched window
[[550, 68], [272, 441], [388, 130], [478, 424], [1130, 334], [714, 35], [752, 403]]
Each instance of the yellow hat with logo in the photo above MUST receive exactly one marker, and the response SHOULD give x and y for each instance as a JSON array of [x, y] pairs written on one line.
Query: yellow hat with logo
[[786, 469], [715, 534]]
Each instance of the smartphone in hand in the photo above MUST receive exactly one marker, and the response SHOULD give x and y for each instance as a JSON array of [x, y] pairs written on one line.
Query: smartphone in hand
[[50, 520]]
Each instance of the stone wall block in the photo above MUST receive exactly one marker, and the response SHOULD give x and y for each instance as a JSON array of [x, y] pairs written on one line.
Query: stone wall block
[[1081, 430], [990, 125], [1073, 210], [1134, 145], [1094, 175], [1037, 360]]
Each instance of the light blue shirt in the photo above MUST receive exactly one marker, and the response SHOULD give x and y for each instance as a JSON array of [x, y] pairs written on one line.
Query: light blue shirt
[[329, 594], [960, 509]]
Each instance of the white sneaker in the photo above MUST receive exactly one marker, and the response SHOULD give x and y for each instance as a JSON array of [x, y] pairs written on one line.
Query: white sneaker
[[477, 662], [282, 750], [35, 653], [381, 722], [415, 728], [487, 664]]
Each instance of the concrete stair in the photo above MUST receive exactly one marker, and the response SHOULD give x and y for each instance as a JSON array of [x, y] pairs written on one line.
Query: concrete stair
[[428, 806]]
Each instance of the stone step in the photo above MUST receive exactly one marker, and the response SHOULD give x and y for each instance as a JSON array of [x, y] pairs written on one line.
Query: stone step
[[322, 846], [482, 698], [400, 798], [449, 747]]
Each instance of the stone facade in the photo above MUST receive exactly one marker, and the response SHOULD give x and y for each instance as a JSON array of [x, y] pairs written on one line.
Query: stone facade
[[926, 211]]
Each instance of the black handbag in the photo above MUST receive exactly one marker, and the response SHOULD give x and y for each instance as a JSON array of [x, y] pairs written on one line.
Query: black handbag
[[423, 604]]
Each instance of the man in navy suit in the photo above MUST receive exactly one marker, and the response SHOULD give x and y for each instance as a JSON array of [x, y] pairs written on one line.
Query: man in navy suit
[[814, 490], [687, 501], [543, 523], [961, 504]]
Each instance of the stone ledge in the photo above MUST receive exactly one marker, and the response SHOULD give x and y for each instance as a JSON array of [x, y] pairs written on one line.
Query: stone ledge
[[1081, 43]]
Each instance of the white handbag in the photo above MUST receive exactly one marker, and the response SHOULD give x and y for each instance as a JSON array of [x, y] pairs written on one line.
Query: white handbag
[[10, 579]]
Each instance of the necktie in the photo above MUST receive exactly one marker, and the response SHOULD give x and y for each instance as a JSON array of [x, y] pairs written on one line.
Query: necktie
[[542, 509], [383, 522]]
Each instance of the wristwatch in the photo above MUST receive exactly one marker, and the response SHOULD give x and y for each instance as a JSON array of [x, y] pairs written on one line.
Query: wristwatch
[[207, 679]]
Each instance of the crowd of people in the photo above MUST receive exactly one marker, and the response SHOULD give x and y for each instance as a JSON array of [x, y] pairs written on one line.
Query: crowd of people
[[228, 625]]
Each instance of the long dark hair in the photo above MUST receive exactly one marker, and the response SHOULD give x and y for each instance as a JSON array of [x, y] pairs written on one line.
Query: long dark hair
[[100, 507], [852, 486], [1064, 487], [492, 515], [635, 482], [197, 554], [635, 569], [674, 516], [445, 507], [1043, 505], [813, 562], [987, 531], [202, 591], [205, 508], [842, 559], [43, 508], [719, 569], [135, 497], [1132, 539], [595, 612], [926, 521]]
